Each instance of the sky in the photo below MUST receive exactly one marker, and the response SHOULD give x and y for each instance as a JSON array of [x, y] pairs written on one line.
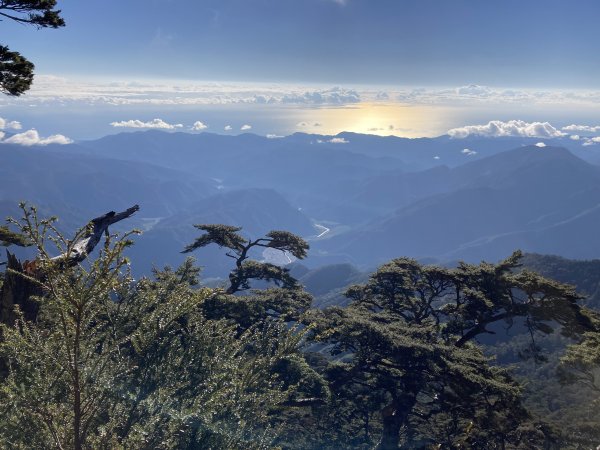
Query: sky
[[404, 67]]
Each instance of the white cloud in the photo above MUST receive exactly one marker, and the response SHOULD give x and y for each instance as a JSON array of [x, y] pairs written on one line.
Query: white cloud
[[333, 96], [436, 157], [32, 137], [156, 123], [588, 128], [338, 140], [306, 124], [591, 141], [246, 127], [49, 89], [574, 137], [227, 128], [540, 144], [273, 136], [9, 124], [2, 134], [199, 126], [498, 128], [474, 90], [468, 152], [335, 140]]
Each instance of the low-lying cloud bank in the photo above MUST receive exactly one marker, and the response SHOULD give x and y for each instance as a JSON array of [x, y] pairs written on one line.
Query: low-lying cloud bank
[[48, 89], [516, 128], [152, 124], [32, 137]]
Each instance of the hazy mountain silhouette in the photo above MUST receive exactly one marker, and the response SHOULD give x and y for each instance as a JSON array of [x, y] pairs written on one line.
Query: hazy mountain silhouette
[[524, 198], [377, 197]]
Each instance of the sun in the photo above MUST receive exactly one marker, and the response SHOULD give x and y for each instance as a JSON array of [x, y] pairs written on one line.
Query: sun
[[382, 119]]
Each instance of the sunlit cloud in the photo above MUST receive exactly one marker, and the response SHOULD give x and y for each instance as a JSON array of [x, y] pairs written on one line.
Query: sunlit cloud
[[274, 136], [584, 128], [468, 152], [32, 137], [156, 124], [51, 89], [497, 128], [9, 124], [339, 141], [199, 126], [227, 128], [591, 141], [246, 127], [540, 144], [335, 140]]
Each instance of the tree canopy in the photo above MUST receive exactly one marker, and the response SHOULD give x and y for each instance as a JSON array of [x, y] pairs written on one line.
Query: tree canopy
[[16, 72], [407, 338], [106, 361], [239, 249]]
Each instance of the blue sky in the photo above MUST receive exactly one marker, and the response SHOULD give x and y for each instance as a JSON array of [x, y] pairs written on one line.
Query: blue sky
[[289, 62]]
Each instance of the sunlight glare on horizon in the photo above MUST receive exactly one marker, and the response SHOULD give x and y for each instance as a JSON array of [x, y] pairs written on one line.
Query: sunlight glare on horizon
[[382, 119]]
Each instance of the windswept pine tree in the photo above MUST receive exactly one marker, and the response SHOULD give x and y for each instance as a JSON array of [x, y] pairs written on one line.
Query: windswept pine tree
[[406, 343]]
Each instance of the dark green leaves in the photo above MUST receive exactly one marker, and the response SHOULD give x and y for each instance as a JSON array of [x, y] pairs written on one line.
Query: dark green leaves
[[246, 269], [222, 235], [8, 237], [16, 72], [287, 242]]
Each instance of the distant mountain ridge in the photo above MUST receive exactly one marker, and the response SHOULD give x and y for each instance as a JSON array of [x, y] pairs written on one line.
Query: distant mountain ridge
[[373, 198], [507, 201]]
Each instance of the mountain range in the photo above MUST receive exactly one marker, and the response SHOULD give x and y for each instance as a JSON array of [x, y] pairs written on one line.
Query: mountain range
[[358, 199]]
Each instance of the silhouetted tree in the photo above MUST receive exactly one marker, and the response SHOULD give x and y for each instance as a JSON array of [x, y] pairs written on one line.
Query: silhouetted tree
[[407, 337], [16, 72], [113, 363], [239, 248]]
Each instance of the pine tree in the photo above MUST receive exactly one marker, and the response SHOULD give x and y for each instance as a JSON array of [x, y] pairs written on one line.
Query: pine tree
[[108, 362], [407, 338], [16, 72]]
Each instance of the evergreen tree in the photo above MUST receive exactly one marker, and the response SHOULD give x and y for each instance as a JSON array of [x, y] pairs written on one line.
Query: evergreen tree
[[113, 363], [407, 338], [239, 249], [16, 72], [287, 301]]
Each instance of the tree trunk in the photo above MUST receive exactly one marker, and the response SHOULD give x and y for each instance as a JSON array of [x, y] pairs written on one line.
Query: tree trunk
[[17, 289], [394, 417]]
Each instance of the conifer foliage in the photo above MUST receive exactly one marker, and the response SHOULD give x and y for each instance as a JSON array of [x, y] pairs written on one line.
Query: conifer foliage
[[16, 72], [406, 343], [239, 249], [113, 363], [107, 361]]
